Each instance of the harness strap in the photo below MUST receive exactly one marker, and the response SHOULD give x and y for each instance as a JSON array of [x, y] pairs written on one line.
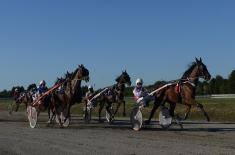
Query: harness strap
[[191, 83], [46, 93], [97, 95], [155, 91]]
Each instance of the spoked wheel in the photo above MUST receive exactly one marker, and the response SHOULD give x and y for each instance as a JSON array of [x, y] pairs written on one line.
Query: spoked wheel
[[109, 115], [32, 116], [136, 118], [164, 118]]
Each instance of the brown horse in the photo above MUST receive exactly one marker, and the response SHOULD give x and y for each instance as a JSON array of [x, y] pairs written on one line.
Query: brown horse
[[71, 85], [187, 86], [22, 97], [114, 94]]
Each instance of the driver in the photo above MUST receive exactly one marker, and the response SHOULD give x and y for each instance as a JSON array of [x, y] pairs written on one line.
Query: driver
[[141, 94], [42, 88]]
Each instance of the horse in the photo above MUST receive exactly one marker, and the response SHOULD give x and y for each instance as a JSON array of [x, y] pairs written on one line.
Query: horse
[[113, 94], [187, 86], [23, 97], [61, 102]]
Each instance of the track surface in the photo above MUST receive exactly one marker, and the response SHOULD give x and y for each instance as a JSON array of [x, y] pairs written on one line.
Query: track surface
[[101, 138]]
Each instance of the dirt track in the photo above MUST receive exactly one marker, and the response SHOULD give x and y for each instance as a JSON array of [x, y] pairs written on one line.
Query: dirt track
[[196, 138]]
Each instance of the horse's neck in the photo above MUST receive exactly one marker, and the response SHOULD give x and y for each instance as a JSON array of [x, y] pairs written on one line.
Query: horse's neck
[[120, 86], [72, 87], [192, 78]]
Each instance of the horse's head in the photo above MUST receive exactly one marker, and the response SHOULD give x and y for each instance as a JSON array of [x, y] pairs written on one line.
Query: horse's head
[[124, 78], [202, 70], [196, 70], [82, 73], [32, 87]]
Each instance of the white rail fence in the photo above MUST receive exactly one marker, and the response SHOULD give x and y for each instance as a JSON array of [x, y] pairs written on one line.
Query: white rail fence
[[217, 96]]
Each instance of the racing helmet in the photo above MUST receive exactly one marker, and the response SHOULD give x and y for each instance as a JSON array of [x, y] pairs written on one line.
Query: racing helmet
[[139, 81]]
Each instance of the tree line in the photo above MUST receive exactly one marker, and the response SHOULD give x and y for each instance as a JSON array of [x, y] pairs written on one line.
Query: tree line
[[217, 85]]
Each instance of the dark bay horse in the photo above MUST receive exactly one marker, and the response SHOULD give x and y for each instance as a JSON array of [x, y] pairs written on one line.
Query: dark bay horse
[[71, 93], [114, 94], [187, 86]]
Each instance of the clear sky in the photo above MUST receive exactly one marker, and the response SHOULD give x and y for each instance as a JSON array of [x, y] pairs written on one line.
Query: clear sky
[[152, 39]]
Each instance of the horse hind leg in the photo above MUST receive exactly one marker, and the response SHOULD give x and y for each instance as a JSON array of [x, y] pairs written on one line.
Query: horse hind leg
[[188, 108], [175, 117], [17, 107], [110, 111], [172, 109], [199, 105], [155, 107], [100, 110], [50, 116], [124, 108], [26, 105]]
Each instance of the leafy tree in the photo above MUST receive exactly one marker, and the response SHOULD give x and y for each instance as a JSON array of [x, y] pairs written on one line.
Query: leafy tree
[[231, 82]]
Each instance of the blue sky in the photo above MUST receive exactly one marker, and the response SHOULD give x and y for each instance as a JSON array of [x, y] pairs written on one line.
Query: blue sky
[[152, 39]]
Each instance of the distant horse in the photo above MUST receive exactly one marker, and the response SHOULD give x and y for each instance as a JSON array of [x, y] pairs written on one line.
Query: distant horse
[[183, 91], [114, 94], [71, 93], [22, 97]]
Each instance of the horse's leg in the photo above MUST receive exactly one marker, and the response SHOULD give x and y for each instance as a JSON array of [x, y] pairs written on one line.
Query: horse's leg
[[49, 115], [199, 105], [118, 105], [53, 113], [110, 111], [68, 116], [188, 108], [172, 113], [57, 110], [17, 107], [155, 106], [26, 104], [124, 108], [100, 110], [172, 109]]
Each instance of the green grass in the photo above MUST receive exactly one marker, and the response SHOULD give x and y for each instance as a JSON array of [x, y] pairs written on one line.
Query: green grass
[[218, 109], [4, 103]]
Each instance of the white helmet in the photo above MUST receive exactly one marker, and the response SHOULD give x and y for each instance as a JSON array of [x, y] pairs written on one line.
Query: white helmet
[[139, 80], [89, 87], [42, 82]]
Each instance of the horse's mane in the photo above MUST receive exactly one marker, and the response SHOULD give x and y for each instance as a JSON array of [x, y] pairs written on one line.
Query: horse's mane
[[73, 73], [191, 66], [120, 76], [66, 76]]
